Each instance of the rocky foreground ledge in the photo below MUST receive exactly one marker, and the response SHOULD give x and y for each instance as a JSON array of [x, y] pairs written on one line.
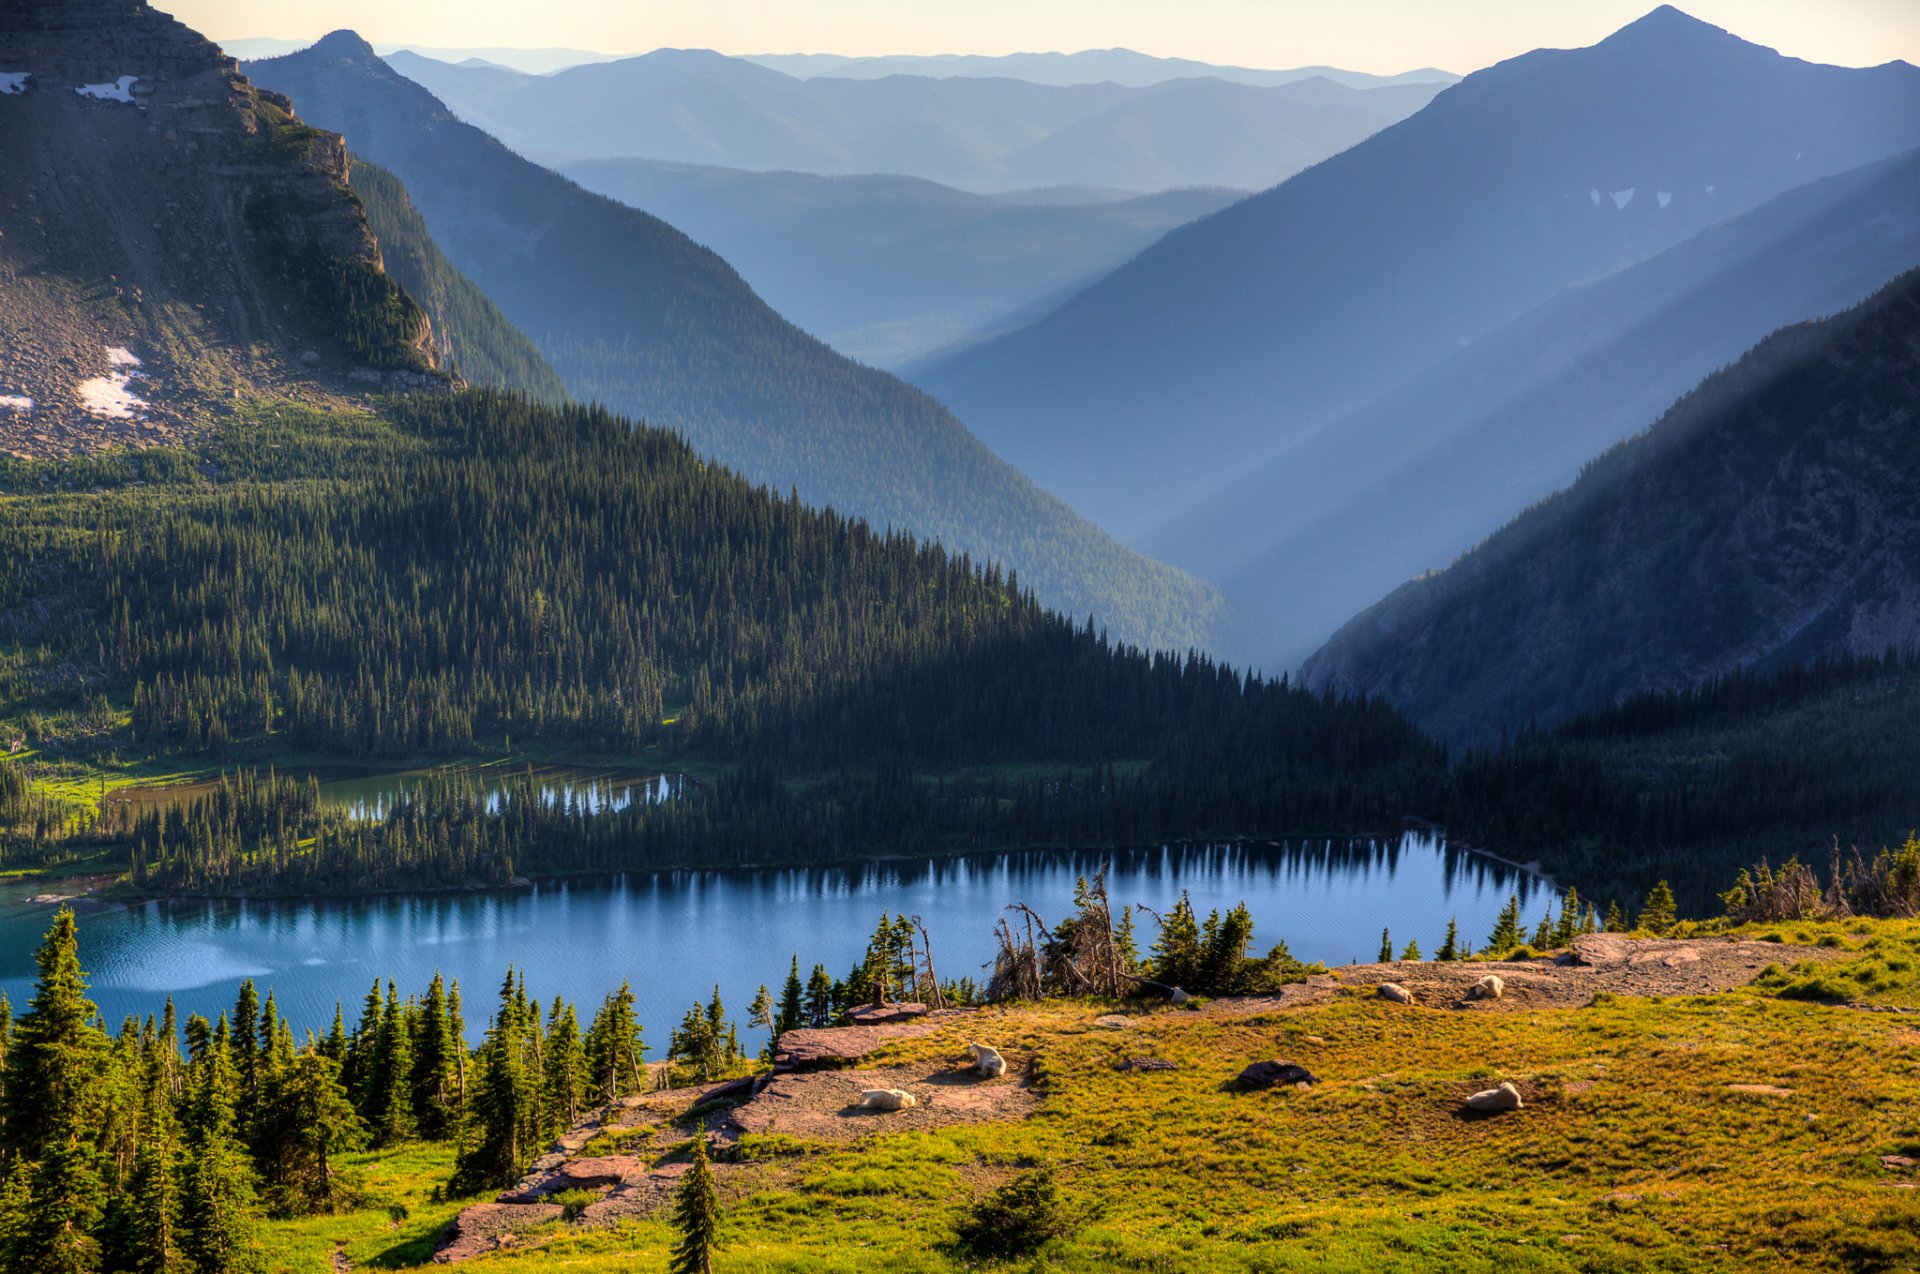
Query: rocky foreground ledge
[[628, 1152]]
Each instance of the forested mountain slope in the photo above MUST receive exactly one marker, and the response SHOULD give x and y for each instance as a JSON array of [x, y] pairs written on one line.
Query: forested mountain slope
[[1415, 478], [633, 314], [170, 236], [696, 106], [470, 335], [889, 269], [1768, 519], [1243, 331]]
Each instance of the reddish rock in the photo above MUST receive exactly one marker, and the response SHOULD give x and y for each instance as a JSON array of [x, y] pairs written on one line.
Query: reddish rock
[[590, 1173], [490, 1227], [877, 1014]]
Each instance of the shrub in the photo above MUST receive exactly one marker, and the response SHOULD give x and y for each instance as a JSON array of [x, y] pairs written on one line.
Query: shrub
[[1016, 1220]]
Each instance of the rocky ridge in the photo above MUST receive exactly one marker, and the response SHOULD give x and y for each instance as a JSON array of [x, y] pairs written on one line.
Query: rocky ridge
[[171, 237]]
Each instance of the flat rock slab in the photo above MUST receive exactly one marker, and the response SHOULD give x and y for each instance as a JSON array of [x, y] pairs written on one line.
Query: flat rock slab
[[598, 1172], [825, 1105], [645, 1196], [805, 1048], [1600, 962], [879, 1014], [491, 1227]]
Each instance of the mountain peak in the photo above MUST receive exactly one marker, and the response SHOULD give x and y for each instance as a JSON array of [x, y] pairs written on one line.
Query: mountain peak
[[1667, 27], [343, 43]]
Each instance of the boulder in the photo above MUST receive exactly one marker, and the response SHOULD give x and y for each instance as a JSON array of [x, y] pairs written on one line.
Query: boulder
[[1397, 993], [1490, 987], [1268, 1074], [1493, 1100], [1146, 1064]]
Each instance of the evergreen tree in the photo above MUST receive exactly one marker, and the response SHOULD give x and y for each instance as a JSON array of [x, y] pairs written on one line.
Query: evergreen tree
[[54, 1085], [792, 1014], [219, 1230], [1616, 919], [1176, 953], [434, 1081], [503, 1101], [1658, 915], [565, 1063], [1450, 946], [820, 998], [1386, 947], [760, 1011], [390, 1117], [696, 1215], [1543, 932], [246, 1058], [1569, 923], [311, 1105], [705, 1043], [615, 1049], [1506, 930], [1412, 952]]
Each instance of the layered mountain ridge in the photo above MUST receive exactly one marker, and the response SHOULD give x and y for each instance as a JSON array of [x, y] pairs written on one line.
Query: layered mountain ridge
[[635, 315], [1768, 519]]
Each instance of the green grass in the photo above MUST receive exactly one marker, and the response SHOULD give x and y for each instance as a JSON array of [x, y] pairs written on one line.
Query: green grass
[[1632, 1154]]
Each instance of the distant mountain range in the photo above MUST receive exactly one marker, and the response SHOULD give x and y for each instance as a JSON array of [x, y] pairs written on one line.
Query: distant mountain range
[[1421, 474], [1771, 517], [542, 61], [1241, 333], [988, 135], [634, 314], [891, 269], [1089, 66]]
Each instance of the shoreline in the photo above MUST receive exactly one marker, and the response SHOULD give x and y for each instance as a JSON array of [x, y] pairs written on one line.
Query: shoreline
[[107, 888]]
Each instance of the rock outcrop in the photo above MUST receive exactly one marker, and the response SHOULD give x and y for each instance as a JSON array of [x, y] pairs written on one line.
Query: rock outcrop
[[159, 205]]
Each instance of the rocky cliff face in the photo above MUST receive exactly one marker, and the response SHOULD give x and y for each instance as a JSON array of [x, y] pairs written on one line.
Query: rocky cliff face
[[1773, 516], [171, 237]]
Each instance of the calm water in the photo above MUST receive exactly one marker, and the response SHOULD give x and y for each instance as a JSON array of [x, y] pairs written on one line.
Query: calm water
[[592, 788], [676, 935]]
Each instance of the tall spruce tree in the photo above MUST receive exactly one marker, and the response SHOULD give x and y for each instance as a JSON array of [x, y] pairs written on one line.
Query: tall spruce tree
[[696, 1216], [1506, 930], [1386, 946], [820, 997], [1450, 946], [434, 1080], [310, 1106], [564, 1062], [219, 1225], [55, 1083], [615, 1049]]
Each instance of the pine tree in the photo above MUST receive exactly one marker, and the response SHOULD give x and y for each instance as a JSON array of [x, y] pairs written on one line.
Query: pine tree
[[1616, 919], [615, 1049], [1412, 952], [1506, 930], [54, 1085], [434, 1077], [565, 1065], [792, 1014], [820, 998], [1386, 947], [1569, 924], [1658, 915], [310, 1105], [246, 1058], [150, 1239], [1450, 948], [1543, 932], [1176, 953], [503, 1102], [219, 1229], [696, 1215], [390, 1118], [760, 1011]]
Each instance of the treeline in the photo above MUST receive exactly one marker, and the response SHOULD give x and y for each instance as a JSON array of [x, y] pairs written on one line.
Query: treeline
[[483, 570], [1690, 786], [120, 1151]]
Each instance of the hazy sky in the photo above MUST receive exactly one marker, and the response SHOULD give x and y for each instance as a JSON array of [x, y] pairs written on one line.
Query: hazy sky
[[1365, 35]]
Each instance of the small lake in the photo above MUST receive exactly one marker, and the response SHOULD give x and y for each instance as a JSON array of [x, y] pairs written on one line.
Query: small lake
[[590, 788], [675, 935]]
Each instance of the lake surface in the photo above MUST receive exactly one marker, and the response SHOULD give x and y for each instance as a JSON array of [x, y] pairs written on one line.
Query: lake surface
[[590, 788], [676, 935]]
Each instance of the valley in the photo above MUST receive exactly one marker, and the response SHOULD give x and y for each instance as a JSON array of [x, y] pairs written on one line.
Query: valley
[[935, 658]]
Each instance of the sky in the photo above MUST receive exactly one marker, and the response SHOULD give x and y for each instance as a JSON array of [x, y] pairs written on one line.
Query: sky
[[1379, 36]]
